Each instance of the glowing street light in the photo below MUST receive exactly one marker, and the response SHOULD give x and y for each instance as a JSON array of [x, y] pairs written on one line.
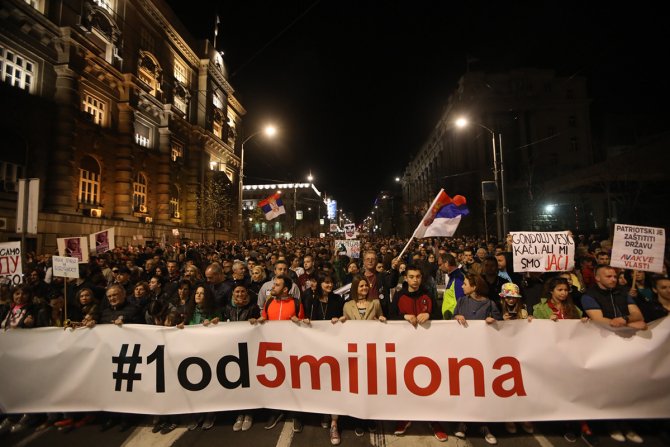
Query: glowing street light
[[270, 132]]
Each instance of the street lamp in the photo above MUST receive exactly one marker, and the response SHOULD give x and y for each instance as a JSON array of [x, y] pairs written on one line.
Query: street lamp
[[501, 214], [269, 131]]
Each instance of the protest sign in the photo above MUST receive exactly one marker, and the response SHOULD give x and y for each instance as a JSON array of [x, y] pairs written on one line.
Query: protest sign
[[73, 247], [333, 228], [65, 267], [10, 262], [543, 251], [638, 248], [103, 241], [350, 231], [350, 247]]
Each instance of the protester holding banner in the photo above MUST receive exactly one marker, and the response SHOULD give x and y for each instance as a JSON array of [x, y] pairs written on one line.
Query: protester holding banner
[[20, 313], [380, 282], [658, 305], [609, 304]]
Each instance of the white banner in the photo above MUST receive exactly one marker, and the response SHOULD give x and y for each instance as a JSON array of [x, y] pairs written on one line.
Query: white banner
[[73, 247], [543, 251], [638, 248], [102, 241], [65, 267], [507, 371], [349, 247], [11, 266]]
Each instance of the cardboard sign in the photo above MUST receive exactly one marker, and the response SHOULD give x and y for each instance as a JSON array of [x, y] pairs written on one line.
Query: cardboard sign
[[350, 231], [66, 267], [73, 247], [103, 241], [333, 228], [11, 266], [543, 251], [350, 247], [638, 248]]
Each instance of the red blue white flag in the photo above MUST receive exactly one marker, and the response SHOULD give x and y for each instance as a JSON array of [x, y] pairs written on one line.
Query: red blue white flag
[[273, 206], [443, 216]]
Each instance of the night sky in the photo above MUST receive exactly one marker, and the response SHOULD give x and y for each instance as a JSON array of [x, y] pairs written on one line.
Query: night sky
[[356, 87]]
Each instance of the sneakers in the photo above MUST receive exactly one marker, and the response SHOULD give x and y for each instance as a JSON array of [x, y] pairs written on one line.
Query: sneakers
[[634, 437], [358, 431], [297, 425], [510, 427], [275, 418], [168, 427], [589, 438], [401, 427], [528, 427], [570, 436], [5, 426], [158, 427], [617, 435], [325, 421], [372, 426], [248, 422], [237, 426], [208, 423], [438, 432], [460, 430], [85, 420], [488, 436], [334, 435], [195, 422]]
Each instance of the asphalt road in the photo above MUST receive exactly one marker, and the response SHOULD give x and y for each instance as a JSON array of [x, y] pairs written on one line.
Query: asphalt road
[[419, 434]]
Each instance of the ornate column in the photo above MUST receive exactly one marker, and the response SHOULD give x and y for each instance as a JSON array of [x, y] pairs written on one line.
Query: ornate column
[[193, 168], [61, 181], [123, 183], [163, 171]]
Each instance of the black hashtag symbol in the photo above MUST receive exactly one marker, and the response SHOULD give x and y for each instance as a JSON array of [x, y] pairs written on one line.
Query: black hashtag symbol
[[122, 360]]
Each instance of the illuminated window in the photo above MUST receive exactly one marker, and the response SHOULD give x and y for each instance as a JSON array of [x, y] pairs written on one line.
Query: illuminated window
[[232, 131], [107, 5], [217, 123], [142, 134], [149, 72], [174, 202], [16, 70], [140, 193], [177, 152], [89, 181], [94, 107], [180, 72]]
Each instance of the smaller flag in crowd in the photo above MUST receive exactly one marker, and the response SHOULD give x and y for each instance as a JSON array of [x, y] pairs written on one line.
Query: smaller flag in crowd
[[443, 216], [273, 206]]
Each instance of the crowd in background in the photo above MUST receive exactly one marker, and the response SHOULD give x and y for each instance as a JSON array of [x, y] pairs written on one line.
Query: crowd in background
[[461, 278]]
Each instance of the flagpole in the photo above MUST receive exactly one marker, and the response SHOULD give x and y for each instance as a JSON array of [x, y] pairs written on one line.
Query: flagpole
[[425, 215]]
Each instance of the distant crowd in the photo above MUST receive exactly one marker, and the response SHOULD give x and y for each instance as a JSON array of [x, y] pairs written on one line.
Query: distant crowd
[[461, 278]]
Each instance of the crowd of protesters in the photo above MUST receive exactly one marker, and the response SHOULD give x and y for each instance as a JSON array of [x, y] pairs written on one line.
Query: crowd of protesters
[[260, 280]]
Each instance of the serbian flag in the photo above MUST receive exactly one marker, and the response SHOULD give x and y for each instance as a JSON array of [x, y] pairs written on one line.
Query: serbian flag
[[273, 206], [443, 216]]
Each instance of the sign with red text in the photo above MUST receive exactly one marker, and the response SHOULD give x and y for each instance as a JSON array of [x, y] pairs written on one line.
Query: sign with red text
[[480, 373], [10, 262], [349, 247], [543, 251], [638, 248]]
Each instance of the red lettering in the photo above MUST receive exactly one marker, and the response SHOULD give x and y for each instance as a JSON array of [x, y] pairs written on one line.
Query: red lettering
[[263, 359], [514, 375], [353, 369], [455, 378], [391, 379], [435, 376], [314, 370], [554, 263], [372, 368]]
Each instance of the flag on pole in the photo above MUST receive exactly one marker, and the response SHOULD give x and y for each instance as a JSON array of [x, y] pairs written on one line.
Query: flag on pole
[[443, 216], [273, 206]]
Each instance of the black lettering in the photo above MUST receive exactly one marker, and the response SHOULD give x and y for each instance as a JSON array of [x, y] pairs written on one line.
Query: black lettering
[[242, 362], [183, 376]]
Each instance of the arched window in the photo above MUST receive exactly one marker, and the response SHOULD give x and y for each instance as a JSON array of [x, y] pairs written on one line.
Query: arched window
[[89, 181], [140, 193], [174, 202], [150, 72]]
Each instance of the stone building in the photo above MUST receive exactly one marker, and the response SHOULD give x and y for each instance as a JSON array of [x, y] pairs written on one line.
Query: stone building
[[126, 119]]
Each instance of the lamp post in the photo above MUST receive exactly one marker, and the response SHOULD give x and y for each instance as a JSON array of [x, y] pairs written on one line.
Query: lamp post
[[270, 131], [501, 211]]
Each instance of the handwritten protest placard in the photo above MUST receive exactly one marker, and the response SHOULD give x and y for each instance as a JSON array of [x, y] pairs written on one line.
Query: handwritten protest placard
[[350, 247], [543, 251], [638, 248], [65, 266], [10, 262]]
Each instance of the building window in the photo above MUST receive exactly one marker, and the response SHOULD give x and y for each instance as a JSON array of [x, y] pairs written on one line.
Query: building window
[[16, 70], [180, 72], [177, 152], [149, 72], [217, 100], [94, 107], [89, 181], [10, 173], [217, 123], [232, 131], [140, 193], [147, 41], [574, 145], [142, 134], [174, 202], [572, 121], [107, 5], [181, 98], [37, 4]]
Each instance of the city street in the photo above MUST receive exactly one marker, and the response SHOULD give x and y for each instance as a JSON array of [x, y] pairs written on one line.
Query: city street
[[546, 435]]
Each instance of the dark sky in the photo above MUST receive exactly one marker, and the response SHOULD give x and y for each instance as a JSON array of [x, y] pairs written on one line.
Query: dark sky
[[356, 87]]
